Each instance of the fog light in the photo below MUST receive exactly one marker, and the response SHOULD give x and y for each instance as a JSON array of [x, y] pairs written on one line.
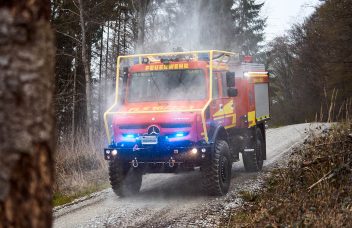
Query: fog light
[[180, 134], [114, 152], [194, 151], [204, 150]]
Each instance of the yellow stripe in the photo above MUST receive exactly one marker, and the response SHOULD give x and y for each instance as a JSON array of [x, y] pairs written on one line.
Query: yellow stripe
[[257, 74], [228, 108], [251, 119], [230, 126], [263, 117], [210, 97], [178, 53], [219, 113], [233, 118]]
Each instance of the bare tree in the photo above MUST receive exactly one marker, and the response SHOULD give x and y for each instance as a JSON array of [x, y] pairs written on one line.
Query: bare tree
[[142, 7], [26, 114], [86, 73]]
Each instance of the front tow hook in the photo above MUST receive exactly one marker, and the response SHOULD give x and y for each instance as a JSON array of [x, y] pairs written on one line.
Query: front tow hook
[[171, 162], [134, 163]]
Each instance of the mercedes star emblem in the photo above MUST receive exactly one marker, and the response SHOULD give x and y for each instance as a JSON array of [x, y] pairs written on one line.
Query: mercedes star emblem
[[153, 130]]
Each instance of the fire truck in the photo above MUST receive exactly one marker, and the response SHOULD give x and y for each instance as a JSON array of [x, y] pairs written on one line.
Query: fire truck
[[186, 111]]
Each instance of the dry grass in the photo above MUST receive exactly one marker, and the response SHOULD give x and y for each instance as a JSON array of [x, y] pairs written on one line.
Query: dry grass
[[80, 169], [314, 190]]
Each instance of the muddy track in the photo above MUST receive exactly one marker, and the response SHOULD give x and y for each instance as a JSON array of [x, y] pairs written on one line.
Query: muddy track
[[176, 200]]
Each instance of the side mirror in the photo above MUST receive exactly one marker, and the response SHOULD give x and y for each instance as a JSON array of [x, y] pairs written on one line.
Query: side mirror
[[232, 92], [230, 79], [124, 75]]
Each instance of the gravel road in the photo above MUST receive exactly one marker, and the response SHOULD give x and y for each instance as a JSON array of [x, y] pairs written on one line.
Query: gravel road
[[175, 200]]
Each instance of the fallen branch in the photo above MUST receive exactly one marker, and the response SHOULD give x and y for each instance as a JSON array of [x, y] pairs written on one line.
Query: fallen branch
[[331, 174], [325, 177]]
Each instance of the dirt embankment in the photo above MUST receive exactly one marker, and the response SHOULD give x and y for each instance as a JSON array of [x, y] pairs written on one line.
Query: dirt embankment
[[314, 189]]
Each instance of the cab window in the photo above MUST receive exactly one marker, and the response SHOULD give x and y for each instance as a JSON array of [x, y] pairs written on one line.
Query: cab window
[[224, 85], [215, 86]]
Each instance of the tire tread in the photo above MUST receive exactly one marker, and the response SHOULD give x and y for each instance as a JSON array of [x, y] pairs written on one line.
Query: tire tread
[[210, 171]]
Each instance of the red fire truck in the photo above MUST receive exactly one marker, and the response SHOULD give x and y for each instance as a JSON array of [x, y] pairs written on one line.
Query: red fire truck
[[175, 112]]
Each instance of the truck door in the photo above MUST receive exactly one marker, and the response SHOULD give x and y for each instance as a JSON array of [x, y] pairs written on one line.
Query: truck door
[[216, 106], [228, 104]]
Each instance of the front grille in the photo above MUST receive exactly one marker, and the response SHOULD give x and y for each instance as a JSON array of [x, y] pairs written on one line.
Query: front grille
[[175, 125], [134, 126]]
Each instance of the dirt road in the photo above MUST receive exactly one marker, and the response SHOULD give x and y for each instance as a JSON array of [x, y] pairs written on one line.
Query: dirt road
[[175, 200]]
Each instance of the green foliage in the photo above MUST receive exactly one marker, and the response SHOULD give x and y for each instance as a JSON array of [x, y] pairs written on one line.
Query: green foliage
[[60, 198], [248, 26]]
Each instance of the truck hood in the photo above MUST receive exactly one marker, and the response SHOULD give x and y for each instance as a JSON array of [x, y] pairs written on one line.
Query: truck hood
[[153, 118], [168, 123], [151, 107], [169, 118]]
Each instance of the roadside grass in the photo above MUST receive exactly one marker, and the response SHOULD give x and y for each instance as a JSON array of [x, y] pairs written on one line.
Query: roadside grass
[[313, 190], [80, 169], [60, 198]]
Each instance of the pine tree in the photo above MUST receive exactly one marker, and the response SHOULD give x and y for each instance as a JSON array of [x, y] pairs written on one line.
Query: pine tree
[[248, 26], [203, 25]]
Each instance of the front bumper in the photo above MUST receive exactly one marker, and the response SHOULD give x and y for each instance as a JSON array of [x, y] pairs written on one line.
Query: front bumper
[[175, 153]]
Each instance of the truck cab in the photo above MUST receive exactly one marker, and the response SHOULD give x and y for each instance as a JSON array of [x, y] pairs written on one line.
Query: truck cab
[[174, 112]]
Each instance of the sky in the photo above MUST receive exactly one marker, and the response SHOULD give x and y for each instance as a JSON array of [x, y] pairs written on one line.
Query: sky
[[282, 14]]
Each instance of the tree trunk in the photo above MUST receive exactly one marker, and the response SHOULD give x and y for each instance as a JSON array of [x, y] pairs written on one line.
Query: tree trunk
[[100, 117], [26, 114], [73, 119], [124, 33], [142, 11], [118, 34], [106, 67], [86, 73]]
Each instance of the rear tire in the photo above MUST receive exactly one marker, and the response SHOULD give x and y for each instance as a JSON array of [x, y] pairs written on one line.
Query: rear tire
[[124, 180], [253, 160], [216, 172]]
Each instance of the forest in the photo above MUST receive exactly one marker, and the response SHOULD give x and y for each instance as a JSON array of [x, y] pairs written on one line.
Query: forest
[[310, 63], [309, 66]]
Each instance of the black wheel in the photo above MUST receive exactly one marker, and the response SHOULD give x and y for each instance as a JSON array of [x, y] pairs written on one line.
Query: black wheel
[[253, 160], [216, 172], [124, 180]]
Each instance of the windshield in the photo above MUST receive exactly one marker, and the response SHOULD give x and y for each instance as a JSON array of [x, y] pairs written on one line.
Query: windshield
[[172, 85]]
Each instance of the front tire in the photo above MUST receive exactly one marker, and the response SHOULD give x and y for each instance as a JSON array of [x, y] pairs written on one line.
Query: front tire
[[216, 171], [253, 160], [124, 180]]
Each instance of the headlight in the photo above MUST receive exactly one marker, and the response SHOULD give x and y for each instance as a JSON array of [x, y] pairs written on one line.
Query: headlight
[[130, 136], [114, 152], [194, 151]]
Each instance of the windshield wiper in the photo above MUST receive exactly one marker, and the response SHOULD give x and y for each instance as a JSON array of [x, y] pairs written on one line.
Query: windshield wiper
[[184, 86], [157, 87]]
